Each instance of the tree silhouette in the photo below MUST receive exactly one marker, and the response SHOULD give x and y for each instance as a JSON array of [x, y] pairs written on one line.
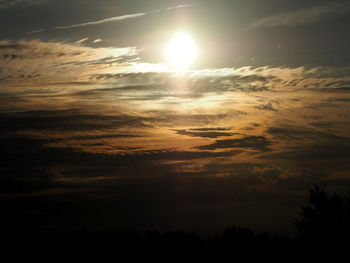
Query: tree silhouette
[[322, 228], [326, 221]]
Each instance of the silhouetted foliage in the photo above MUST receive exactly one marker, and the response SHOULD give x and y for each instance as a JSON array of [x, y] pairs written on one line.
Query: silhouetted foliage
[[323, 226], [325, 222]]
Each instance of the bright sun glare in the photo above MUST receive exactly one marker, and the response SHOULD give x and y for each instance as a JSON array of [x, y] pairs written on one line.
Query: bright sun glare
[[181, 51]]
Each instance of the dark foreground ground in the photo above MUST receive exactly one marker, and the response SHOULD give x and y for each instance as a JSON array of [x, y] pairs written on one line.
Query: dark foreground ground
[[323, 229]]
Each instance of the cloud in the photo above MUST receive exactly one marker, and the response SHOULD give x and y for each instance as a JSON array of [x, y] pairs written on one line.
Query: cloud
[[209, 129], [309, 15], [36, 31], [35, 160], [260, 143], [35, 62], [12, 3], [81, 40], [268, 107], [318, 147], [203, 133], [36, 74], [120, 18], [95, 136], [292, 132], [99, 144], [68, 120], [106, 20]]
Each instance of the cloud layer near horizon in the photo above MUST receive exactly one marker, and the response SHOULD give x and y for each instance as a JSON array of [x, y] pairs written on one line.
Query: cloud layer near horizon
[[89, 100]]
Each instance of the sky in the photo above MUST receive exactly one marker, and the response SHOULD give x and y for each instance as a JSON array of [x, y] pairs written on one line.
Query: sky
[[99, 129]]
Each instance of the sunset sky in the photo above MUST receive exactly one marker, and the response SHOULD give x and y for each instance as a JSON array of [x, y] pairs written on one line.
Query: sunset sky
[[169, 114]]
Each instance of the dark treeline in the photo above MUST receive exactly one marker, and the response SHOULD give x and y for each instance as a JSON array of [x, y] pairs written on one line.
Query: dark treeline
[[323, 227]]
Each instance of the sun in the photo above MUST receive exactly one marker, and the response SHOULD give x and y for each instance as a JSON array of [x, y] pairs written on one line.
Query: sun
[[181, 51]]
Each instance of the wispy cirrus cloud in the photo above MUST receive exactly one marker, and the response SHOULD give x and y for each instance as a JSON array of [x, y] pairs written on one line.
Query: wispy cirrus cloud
[[102, 21], [12, 3], [32, 62], [121, 17], [309, 15]]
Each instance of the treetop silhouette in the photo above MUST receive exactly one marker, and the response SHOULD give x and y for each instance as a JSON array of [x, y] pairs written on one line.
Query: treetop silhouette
[[326, 220]]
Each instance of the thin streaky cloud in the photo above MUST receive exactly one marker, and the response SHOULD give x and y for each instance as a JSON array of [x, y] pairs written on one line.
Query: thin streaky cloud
[[36, 31], [81, 40], [304, 16], [121, 18], [180, 6], [107, 20], [13, 3]]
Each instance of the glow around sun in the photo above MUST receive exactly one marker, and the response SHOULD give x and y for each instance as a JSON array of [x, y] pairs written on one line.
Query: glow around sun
[[181, 51]]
